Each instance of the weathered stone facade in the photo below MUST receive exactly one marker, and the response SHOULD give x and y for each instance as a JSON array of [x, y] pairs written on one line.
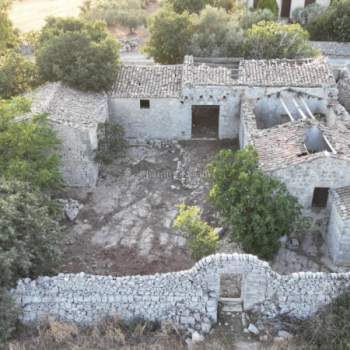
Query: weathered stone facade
[[188, 298], [344, 88]]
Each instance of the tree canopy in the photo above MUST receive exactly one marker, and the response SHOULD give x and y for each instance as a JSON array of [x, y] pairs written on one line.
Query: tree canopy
[[80, 54], [8, 36], [257, 207]]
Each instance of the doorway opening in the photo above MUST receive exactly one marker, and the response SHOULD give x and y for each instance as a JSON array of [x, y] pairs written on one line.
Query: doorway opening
[[231, 292], [285, 11], [320, 197], [205, 122]]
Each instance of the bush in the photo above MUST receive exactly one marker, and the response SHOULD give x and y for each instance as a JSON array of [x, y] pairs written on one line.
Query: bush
[[27, 148], [257, 207], [170, 36], [17, 74], [128, 13], [250, 17], [269, 5], [202, 238], [8, 36], [80, 54], [9, 314], [216, 35], [333, 24], [306, 15], [267, 40], [196, 6], [111, 142], [329, 328]]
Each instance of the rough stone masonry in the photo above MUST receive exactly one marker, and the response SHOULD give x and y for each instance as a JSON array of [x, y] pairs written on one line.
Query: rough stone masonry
[[188, 298]]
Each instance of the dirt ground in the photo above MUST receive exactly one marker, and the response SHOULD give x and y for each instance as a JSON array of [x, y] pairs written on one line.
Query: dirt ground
[[125, 225]]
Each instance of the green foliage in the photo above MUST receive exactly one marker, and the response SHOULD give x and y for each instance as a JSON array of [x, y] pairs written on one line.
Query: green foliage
[[27, 148], [128, 13], [328, 329], [267, 40], [9, 314], [257, 207], [305, 15], [202, 238], [196, 6], [333, 24], [8, 36], [252, 17], [170, 36], [216, 34], [111, 143], [17, 74], [80, 54], [270, 5]]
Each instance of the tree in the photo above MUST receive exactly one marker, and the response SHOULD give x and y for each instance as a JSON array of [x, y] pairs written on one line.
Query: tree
[[305, 15], [128, 13], [27, 147], [196, 6], [333, 24], [257, 207], [216, 34], [79, 54], [252, 17], [17, 74], [8, 37], [170, 36], [267, 40], [270, 5], [202, 238]]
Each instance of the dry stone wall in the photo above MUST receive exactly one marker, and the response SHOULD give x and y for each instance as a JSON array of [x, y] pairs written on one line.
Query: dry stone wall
[[188, 299]]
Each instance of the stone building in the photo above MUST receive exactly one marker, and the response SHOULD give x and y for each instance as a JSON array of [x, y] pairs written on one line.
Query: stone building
[[75, 116], [338, 237]]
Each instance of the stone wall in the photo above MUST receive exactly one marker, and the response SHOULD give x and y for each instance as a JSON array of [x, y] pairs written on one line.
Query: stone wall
[[188, 298], [344, 88]]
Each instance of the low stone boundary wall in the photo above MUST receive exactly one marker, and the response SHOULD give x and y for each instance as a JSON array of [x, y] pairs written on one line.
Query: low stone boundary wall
[[188, 298]]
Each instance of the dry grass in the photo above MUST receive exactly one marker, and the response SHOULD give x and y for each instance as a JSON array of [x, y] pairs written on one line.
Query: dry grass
[[28, 15]]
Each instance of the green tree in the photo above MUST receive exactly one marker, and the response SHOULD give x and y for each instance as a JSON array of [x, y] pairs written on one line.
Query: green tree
[[9, 314], [333, 24], [27, 147], [79, 54], [170, 36], [257, 207], [17, 74], [267, 40], [251, 17], [270, 5], [196, 6], [128, 13], [8, 36], [201, 237], [216, 34]]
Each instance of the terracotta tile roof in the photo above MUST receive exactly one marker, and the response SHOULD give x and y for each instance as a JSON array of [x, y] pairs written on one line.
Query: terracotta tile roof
[[148, 81], [341, 198], [306, 72]]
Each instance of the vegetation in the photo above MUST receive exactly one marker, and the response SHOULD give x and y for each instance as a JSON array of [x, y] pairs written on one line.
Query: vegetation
[[249, 18], [9, 315], [257, 207], [306, 15], [333, 24], [111, 142], [170, 36], [128, 13], [80, 54], [267, 40], [269, 5], [202, 238], [329, 328], [8, 36], [216, 34], [17, 74]]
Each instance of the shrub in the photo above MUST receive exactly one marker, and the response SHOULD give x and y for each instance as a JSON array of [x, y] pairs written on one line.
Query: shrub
[[333, 24], [216, 35], [196, 6], [9, 314], [267, 40], [270, 5], [8, 36], [27, 148], [202, 238], [128, 13], [170, 36], [258, 208], [111, 142], [306, 15], [17, 74], [80, 54], [250, 17]]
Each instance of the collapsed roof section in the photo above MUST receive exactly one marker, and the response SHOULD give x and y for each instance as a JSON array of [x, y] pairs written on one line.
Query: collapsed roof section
[[142, 81]]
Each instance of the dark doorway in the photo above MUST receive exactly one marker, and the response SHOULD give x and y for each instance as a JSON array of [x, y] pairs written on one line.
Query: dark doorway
[[255, 3], [205, 122], [320, 197], [285, 11]]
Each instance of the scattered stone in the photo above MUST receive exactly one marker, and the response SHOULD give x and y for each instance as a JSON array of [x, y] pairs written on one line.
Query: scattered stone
[[283, 240], [293, 244], [71, 209], [284, 334], [264, 338], [252, 329], [197, 338]]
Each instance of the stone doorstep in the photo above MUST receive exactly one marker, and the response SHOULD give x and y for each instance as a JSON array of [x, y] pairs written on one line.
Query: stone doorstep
[[231, 304]]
